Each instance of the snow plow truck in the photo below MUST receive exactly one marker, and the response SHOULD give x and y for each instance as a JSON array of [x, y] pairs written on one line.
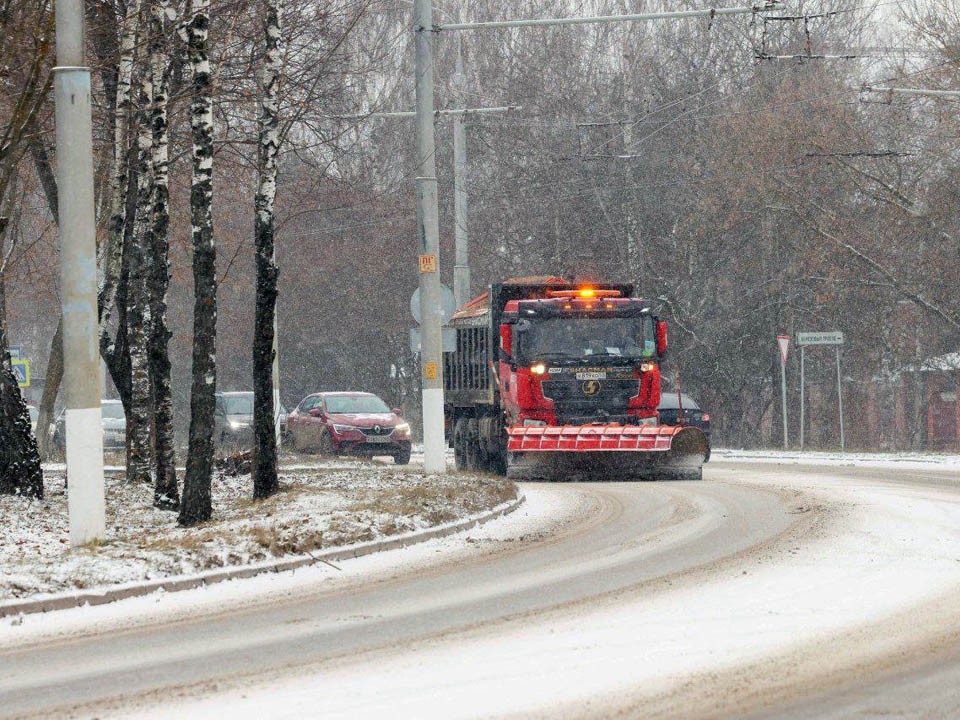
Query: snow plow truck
[[556, 379]]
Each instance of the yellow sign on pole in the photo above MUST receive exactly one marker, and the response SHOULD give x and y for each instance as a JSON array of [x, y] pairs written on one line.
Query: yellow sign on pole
[[21, 371], [428, 263], [430, 370]]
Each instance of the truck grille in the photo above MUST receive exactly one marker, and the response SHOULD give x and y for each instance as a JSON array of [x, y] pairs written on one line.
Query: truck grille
[[574, 406]]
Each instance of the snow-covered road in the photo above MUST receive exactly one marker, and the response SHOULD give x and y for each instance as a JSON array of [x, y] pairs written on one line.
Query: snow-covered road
[[768, 589]]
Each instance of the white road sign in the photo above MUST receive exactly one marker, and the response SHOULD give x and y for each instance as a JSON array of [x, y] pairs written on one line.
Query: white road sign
[[820, 338], [448, 304], [783, 341]]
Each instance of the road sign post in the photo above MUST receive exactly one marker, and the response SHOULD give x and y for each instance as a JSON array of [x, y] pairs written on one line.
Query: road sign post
[[783, 342], [822, 338], [802, 410]]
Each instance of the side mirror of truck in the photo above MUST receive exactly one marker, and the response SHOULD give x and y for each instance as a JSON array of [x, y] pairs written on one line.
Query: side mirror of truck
[[506, 342], [661, 338]]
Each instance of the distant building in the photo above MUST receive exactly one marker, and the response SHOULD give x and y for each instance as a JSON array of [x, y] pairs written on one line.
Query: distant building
[[917, 408]]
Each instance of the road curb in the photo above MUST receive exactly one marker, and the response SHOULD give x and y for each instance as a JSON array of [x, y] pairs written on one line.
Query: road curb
[[101, 596]]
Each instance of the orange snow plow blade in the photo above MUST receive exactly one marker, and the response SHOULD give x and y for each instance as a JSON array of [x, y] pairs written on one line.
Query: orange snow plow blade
[[609, 451]]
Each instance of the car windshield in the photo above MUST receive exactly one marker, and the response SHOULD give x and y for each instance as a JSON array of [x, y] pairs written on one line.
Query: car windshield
[[668, 401], [356, 404], [585, 338], [112, 410], [238, 404]]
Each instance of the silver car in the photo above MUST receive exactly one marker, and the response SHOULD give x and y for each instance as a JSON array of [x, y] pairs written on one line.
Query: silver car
[[114, 423]]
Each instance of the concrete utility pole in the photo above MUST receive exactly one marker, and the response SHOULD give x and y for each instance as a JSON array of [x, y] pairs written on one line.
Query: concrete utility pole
[[428, 232], [461, 267], [78, 262]]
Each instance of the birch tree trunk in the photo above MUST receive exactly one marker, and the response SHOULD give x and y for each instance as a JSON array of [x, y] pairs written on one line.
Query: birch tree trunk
[[195, 506], [165, 495], [119, 182], [138, 308], [265, 482]]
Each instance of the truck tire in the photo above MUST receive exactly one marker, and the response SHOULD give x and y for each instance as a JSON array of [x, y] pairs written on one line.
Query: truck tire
[[459, 444], [472, 451]]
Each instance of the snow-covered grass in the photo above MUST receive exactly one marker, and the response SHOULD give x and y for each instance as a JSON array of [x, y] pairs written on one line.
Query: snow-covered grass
[[906, 460], [316, 508]]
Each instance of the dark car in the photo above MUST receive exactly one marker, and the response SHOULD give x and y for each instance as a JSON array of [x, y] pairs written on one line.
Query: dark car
[[233, 420], [692, 414], [349, 423]]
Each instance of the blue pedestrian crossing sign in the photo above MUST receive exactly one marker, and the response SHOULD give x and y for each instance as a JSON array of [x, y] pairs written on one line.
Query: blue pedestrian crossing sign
[[21, 371]]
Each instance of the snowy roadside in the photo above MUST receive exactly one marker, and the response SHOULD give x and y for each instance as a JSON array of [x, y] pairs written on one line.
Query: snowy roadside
[[906, 460], [317, 508]]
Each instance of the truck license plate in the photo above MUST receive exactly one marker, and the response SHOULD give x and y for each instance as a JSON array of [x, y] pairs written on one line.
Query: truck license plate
[[591, 376]]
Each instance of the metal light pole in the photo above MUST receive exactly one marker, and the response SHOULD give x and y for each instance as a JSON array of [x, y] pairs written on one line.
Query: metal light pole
[[276, 378], [843, 444], [428, 232], [802, 397], [78, 263], [461, 267]]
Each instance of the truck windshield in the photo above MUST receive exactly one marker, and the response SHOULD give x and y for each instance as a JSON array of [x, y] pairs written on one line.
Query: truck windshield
[[586, 338]]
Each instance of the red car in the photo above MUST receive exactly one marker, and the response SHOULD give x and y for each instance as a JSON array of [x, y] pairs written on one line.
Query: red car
[[349, 423]]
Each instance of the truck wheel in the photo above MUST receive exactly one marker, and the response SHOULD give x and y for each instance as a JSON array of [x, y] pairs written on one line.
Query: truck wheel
[[472, 451], [497, 461], [498, 464], [459, 444]]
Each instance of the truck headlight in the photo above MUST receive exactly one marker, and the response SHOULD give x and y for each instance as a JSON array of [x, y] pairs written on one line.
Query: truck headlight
[[647, 366], [530, 422]]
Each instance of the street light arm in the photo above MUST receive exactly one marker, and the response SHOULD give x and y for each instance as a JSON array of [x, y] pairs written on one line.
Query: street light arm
[[676, 15]]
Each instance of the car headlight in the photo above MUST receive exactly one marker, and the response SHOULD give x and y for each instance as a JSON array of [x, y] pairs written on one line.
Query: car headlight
[[343, 428], [402, 428], [234, 425]]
